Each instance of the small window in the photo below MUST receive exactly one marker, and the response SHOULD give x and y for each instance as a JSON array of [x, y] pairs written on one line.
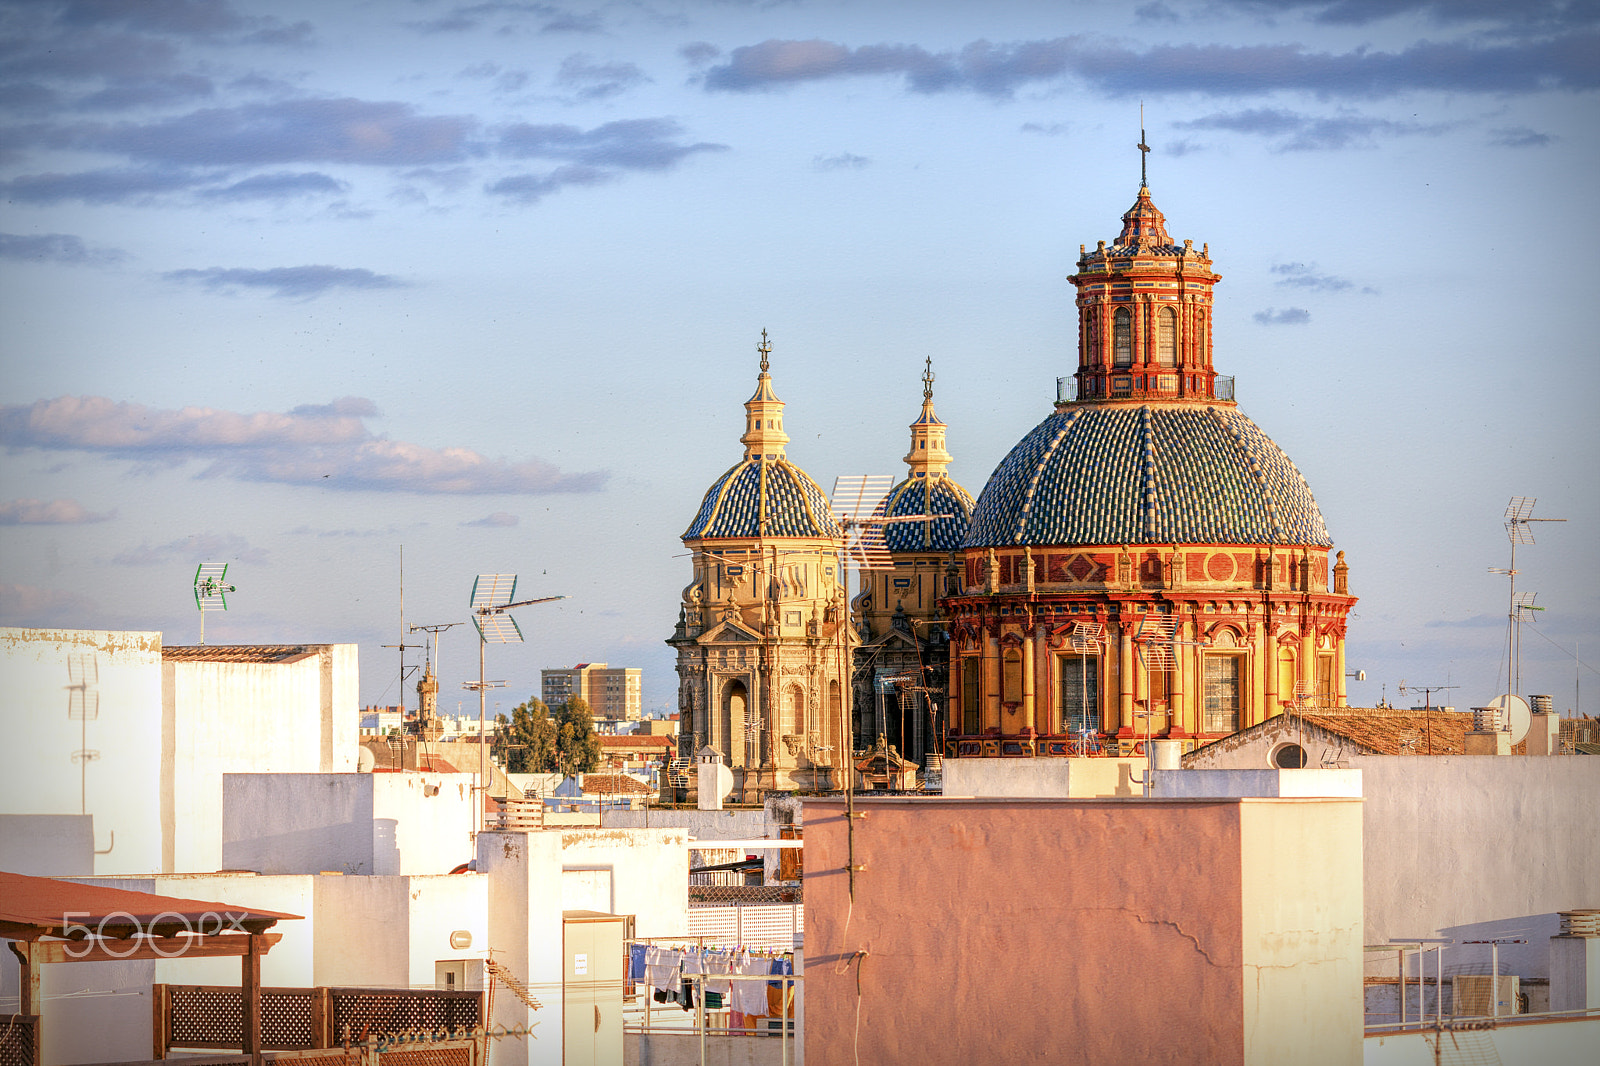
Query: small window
[[1122, 338], [1080, 693], [1011, 677], [971, 693], [1167, 337], [1289, 757], [1221, 693]]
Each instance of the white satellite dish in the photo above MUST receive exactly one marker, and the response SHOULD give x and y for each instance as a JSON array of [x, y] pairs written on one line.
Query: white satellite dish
[[1519, 717]]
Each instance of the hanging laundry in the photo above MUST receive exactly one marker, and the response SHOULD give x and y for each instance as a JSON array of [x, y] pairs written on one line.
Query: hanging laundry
[[661, 968], [750, 997], [717, 962]]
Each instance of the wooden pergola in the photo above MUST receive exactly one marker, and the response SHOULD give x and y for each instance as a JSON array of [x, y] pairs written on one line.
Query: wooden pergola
[[63, 921]]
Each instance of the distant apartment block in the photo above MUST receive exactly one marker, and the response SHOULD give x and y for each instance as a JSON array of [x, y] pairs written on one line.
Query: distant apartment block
[[610, 691]]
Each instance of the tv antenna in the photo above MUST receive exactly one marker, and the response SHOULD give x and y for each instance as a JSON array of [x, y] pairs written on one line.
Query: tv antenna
[[1156, 640], [1519, 516], [1427, 705], [1086, 637], [1522, 603], [210, 591], [491, 599], [858, 502], [83, 707]]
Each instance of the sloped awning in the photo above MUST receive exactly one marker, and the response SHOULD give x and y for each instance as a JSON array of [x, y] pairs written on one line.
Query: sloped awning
[[32, 908], [50, 920]]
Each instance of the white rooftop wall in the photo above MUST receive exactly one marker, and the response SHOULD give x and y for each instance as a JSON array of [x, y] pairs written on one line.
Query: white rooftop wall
[[376, 823], [122, 789], [648, 870], [296, 716], [1475, 847], [1285, 784], [1043, 778], [388, 932]]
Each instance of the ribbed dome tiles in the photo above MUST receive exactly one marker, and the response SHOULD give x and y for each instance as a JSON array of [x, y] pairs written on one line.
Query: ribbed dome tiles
[[1146, 474], [795, 506], [935, 494]]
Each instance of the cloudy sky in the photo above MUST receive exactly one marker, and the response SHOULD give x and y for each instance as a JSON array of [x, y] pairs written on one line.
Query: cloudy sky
[[292, 286]]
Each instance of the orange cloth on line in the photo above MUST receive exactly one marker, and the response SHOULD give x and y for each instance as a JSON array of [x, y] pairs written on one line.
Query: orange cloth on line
[[776, 1005]]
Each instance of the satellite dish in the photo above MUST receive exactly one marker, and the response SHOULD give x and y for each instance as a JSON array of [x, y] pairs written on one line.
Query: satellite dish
[[1518, 717], [725, 779]]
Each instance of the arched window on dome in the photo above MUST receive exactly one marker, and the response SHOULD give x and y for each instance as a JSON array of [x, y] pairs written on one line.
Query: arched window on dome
[[1122, 338], [1167, 337]]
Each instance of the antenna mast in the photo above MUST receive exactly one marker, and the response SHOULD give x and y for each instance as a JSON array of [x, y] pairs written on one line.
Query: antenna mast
[[402, 646]]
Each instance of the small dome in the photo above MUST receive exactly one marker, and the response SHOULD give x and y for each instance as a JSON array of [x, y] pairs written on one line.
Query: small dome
[[932, 494], [1146, 474], [763, 498]]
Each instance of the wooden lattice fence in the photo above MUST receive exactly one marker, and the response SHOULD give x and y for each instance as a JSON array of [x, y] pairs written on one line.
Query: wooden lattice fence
[[304, 1019]]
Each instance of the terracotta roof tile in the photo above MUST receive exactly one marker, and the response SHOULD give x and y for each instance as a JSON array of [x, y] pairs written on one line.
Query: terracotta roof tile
[[614, 785], [637, 740], [1392, 731], [234, 653]]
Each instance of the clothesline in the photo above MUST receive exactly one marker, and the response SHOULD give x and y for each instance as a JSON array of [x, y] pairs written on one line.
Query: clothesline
[[736, 979]]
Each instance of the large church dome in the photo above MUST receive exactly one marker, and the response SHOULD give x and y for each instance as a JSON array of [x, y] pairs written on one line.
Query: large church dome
[[764, 495], [1146, 474], [763, 498]]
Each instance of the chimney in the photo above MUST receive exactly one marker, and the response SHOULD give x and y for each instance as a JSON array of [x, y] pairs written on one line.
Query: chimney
[[1575, 962], [1544, 736], [1486, 737]]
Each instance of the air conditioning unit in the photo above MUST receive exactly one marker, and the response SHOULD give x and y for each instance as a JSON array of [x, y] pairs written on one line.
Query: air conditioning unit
[[775, 1026], [1470, 993]]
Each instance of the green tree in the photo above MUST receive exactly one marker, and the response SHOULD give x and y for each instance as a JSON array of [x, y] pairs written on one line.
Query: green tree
[[577, 746], [526, 743]]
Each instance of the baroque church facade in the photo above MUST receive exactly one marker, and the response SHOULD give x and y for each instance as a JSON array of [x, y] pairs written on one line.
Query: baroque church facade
[[1144, 563], [764, 641]]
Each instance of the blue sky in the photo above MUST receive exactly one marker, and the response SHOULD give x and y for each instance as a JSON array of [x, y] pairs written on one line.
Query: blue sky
[[290, 286]]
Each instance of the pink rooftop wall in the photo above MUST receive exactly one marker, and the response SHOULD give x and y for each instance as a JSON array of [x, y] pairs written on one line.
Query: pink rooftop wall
[[1082, 931]]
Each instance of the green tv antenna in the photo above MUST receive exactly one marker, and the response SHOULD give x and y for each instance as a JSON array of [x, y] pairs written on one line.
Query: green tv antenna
[[210, 591]]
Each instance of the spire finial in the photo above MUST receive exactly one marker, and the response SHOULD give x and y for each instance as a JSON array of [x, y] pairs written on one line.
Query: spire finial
[[1144, 149], [927, 378], [765, 348]]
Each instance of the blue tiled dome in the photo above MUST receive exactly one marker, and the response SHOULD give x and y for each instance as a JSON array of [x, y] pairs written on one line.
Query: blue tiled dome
[[795, 506], [930, 495], [1146, 474]]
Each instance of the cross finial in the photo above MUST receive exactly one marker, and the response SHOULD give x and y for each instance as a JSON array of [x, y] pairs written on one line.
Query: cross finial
[[765, 348], [927, 378], [1144, 149]]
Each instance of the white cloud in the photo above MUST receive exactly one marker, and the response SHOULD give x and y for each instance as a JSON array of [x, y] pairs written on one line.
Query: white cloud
[[322, 444]]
